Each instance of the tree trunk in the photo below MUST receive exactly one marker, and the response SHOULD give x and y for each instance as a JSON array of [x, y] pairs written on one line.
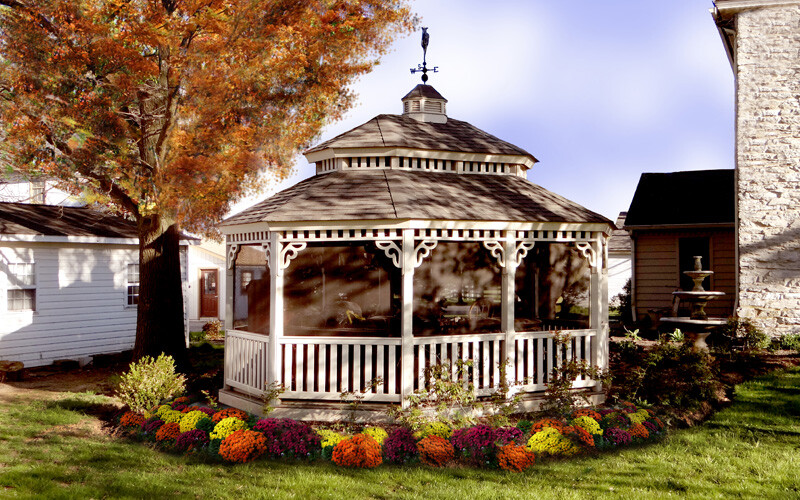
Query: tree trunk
[[159, 325]]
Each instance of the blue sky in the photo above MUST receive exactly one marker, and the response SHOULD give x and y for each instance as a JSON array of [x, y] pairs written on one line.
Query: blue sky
[[598, 91]]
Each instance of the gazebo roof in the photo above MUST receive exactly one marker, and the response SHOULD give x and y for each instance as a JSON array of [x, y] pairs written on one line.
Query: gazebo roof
[[390, 194], [403, 131]]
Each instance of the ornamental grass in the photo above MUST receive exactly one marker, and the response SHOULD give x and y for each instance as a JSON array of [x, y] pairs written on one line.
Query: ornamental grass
[[435, 450], [243, 446], [515, 458], [360, 450]]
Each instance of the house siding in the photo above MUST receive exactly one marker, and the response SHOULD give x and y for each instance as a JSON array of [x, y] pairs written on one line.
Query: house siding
[[81, 302], [657, 271]]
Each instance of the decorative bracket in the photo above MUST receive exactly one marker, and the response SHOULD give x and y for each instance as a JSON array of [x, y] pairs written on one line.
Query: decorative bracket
[[392, 251], [289, 252], [498, 251], [523, 247], [588, 252], [267, 246], [423, 250], [233, 251]]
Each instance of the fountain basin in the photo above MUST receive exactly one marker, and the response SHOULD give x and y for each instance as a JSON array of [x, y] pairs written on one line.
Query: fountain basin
[[696, 329]]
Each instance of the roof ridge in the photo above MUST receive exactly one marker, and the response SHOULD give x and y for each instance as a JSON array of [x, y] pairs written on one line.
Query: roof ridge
[[378, 123]]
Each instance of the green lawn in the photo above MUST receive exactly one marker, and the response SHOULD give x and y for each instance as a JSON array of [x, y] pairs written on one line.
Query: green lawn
[[53, 449]]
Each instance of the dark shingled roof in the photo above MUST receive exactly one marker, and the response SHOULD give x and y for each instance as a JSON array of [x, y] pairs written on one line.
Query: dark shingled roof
[[683, 198], [423, 90], [388, 194], [620, 241], [406, 132], [56, 220]]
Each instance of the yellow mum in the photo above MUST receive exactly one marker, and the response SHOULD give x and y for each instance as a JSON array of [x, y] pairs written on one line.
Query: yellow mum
[[638, 417], [589, 424], [376, 433], [189, 420], [226, 427], [437, 429], [329, 437]]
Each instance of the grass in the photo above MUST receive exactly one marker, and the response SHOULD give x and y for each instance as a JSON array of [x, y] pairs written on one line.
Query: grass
[[55, 449]]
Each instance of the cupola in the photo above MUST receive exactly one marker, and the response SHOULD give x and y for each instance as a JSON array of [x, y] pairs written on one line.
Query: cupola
[[425, 104]]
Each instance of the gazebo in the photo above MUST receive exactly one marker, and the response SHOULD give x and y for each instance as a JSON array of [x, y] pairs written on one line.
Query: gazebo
[[419, 241]]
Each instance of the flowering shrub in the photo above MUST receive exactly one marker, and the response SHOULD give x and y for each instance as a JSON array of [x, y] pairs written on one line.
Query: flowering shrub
[[130, 419], [545, 423], [376, 433], [206, 425], [189, 420], [149, 381], [515, 458], [550, 441], [229, 412], [651, 427], [168, 432], [435, 450], [191, 440], [657, 421], [180, 408], [242, 445], [440, 429], [617, 437], [400, 447], [183, 400], [288, 436], [226, 427], [476, 444], [507, 435], [161, 409], [358, 451], [206, 410], [589, 424], [580, 436], [639, 431]]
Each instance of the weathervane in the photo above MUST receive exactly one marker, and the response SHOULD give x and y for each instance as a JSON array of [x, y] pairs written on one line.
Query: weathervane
[[424, 66]]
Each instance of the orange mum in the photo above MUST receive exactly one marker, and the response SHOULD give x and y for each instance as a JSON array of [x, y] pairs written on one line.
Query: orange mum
[[639, 431], [515, 458], [547, 422], [130, 419], [587, 412], [243, 446], [168, 432], [583, 436], [230, 412], [360, 450], [435, 450]]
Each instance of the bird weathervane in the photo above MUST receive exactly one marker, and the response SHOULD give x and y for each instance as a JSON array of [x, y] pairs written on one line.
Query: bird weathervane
[[424, 66]]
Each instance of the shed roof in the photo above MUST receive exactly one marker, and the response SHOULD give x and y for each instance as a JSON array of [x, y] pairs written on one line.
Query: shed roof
[[405, 132], [57, 220], [389, 194], [700, 197], [620, 241]]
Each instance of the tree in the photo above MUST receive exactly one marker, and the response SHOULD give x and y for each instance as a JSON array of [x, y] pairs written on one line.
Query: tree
[[170, 109]]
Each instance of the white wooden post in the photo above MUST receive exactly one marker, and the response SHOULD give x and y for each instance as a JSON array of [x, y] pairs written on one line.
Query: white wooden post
[[507, 304], [230, 273], [599, 307], [275, 309], [407, 320]]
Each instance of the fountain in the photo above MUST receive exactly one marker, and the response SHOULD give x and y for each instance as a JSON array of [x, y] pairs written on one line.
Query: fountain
[[697, 325]]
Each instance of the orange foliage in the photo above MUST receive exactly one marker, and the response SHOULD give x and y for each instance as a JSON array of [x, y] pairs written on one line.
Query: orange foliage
[[515, 458], [176, 108], [243, 446], [360, 450], [434, 450]]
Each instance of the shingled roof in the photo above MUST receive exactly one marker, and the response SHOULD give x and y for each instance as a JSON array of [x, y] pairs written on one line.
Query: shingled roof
[[388, 194], [700, 197], [405, 132], [56, 220]]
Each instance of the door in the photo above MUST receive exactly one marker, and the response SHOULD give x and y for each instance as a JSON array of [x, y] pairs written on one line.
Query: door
[[209, 295]]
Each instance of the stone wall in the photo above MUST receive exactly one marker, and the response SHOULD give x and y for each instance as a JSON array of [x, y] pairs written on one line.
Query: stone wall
[[768, 167]]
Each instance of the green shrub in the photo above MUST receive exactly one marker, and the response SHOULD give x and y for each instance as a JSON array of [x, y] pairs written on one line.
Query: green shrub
[[741, 335], [790, 342], [148, 382]]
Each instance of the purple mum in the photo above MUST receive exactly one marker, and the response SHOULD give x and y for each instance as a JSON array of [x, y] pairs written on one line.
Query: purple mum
[[400, 446], [190, 440], [618, 437]]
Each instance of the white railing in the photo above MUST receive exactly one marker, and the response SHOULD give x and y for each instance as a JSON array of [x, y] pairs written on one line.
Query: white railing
[[321, 368], [246, 361]]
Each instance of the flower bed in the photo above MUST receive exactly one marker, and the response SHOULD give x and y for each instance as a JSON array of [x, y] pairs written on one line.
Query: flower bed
[[234, 436]]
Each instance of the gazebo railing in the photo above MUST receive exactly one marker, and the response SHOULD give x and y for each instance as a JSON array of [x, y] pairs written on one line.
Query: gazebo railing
[[321, 368]]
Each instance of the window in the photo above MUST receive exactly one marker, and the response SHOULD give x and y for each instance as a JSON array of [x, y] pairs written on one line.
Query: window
[[37, 191], [21, 287], [247, 277], [133, 284]]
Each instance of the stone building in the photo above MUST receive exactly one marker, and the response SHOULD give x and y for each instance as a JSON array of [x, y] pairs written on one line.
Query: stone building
[[762, 38]]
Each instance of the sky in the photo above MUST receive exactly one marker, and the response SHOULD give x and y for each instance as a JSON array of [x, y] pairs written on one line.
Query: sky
[[598, 91]]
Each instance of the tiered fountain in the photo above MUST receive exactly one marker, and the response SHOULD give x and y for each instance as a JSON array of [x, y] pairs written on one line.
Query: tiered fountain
[[697, 325]]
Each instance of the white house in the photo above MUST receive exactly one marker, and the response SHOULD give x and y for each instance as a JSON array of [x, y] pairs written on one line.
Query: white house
[[69, 283]]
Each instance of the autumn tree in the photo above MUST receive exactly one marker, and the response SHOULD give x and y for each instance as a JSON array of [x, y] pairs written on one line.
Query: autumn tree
[[172, 109]]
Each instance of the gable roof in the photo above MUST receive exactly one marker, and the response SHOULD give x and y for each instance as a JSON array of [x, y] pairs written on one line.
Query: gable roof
[[388, 194], [700, 197], [406, 132], [57, 220]]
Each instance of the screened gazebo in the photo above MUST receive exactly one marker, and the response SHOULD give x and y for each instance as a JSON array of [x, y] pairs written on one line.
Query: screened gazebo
[[419, 241]]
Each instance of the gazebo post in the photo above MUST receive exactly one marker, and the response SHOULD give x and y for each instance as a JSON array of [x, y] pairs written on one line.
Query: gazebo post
[[507, 305], [275, 309], [407, 319], [599, 306]]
